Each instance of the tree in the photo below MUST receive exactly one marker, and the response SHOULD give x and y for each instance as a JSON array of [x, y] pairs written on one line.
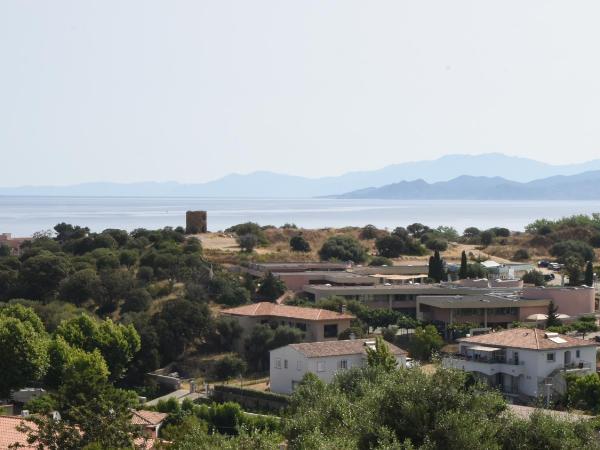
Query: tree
[[229, 331], [471, 232], [80, 286], [552, 320], [41, 275], [381, 355], [589, 274], [586, 324], [369, 232], [233, 296], [486, 237], [534, 277], [476, 270], [343, 248], [117, 343], [256, 347], [390, 246], [179, 324], [584, 392], [425, 342], [271, 287], [228, 367], [563, 250], [573, 269], [136, 300], [462, 272], [247, 242], [436, 267], [24, 353], [417, 229], [299, 244]]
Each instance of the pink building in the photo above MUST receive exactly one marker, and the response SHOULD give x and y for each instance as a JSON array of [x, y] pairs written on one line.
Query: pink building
[[573, 301]]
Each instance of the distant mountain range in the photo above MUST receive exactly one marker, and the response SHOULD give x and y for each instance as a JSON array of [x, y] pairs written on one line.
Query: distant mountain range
[[585, 186], [268, 184]]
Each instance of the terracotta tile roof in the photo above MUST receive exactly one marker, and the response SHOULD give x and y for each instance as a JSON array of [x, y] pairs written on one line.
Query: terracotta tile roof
[[266, 309], [338, 348], [526, 338], [9, 434], [143, 417]]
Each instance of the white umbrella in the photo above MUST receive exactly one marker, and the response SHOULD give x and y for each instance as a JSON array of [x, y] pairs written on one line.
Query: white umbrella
[[563, 316], [537, 317]]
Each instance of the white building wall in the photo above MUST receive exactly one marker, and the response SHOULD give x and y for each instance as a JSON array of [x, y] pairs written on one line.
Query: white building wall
[[536, 366], [283, 379]]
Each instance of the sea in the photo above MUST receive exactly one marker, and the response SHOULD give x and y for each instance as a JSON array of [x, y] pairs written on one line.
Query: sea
[[23, 216]]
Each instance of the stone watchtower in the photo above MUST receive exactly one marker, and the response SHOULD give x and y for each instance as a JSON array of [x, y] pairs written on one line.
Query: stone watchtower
[[195, 222]]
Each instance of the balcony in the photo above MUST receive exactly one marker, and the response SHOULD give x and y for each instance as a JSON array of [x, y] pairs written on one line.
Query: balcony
[[487, 366]]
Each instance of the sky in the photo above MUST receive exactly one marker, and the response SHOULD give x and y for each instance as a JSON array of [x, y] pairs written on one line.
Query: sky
[[141, 90]]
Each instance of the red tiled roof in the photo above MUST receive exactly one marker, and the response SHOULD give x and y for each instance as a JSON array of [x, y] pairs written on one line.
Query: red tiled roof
[[526, 338], [290, 312], [9, 434], [338, 348], [143, 417]]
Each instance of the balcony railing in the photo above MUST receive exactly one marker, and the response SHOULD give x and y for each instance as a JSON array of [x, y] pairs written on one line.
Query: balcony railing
[[493, 360], [578, 365]]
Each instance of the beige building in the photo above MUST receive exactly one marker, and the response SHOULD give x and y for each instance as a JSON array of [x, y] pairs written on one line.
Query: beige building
[[317, 324]]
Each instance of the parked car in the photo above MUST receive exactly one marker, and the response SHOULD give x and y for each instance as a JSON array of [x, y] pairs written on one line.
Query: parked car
[[597, 338], [549, 277], [543, 263]]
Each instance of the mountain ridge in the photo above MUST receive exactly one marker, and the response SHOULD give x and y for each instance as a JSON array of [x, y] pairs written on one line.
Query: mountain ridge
[[272, 184], [584, 186]]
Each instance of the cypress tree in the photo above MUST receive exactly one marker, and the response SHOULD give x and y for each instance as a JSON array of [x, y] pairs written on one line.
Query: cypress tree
[[589, 274], [430, 269], [462, 273]]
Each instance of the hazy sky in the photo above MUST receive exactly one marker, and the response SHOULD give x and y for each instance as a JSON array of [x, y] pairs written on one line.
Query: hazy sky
[[130, 90]]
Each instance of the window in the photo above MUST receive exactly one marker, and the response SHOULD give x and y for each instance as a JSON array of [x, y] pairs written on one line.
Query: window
[[301, 326], [320, 366], [298, 365], [550, 357], [577, 353], [330, 331], [278, 363], [285, 365], [344, 364]]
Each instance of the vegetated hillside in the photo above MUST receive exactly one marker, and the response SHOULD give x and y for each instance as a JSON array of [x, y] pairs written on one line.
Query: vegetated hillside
[[261, 183], [585, 186]]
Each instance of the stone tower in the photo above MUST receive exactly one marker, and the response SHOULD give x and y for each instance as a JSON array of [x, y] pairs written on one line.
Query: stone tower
[[195, 222]]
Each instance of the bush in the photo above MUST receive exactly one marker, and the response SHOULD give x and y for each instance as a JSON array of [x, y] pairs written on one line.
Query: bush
[[563, 250], [380, 261], [521, 255], [437, 244], [247, 242], [534, 277], [230, 366], [299, 244], [343, 248]]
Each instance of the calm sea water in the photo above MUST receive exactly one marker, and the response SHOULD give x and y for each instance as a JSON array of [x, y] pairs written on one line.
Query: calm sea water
[[23, 216]]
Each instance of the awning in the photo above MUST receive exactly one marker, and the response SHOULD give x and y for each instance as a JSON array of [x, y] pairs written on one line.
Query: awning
[[484, 349]]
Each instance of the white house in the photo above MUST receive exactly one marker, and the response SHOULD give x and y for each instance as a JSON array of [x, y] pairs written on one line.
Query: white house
[[290, 363], [524, 361]]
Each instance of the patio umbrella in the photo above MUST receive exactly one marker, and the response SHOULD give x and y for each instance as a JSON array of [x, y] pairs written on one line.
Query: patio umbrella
[[537, 317], [563, 316]]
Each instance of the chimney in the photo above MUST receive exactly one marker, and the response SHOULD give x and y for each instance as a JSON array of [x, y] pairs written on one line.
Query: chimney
[[25, 413], [343, 309]]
